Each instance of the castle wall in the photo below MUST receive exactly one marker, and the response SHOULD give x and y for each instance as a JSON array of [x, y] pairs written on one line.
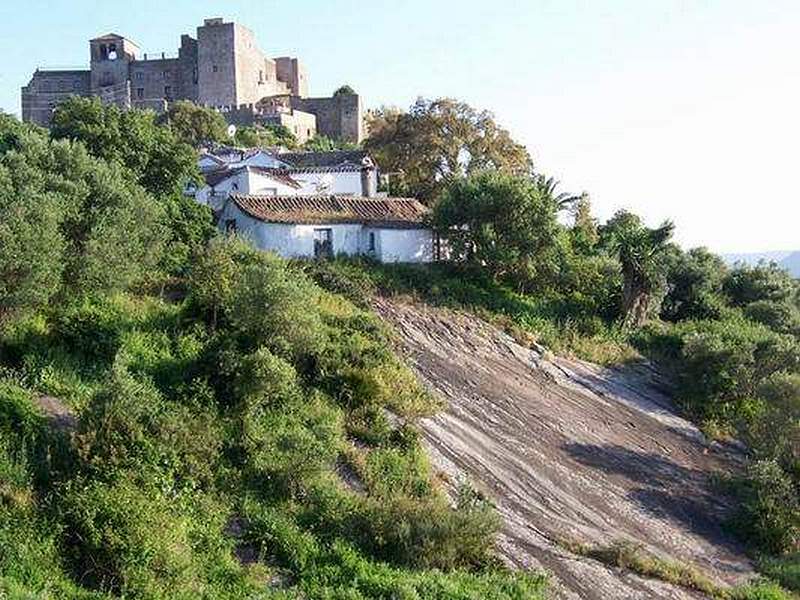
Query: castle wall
[[216, 65], [47, 89], [155, 79], [188, 88], [338, 117], [292, 71]]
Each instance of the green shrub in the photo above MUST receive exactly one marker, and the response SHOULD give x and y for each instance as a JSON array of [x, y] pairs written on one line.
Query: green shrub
[[127, 539], [781, 316], [769, 508], [130, 428], [783, 569], [285, 444]]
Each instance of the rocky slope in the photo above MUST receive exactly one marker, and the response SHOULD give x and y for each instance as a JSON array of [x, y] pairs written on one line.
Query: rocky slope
[[570, 451]]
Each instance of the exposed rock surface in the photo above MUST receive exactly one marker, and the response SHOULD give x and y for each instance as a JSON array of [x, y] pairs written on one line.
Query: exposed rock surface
[[569, 450]]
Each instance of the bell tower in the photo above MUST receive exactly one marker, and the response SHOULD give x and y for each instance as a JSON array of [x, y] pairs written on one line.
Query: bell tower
[[110, 59]]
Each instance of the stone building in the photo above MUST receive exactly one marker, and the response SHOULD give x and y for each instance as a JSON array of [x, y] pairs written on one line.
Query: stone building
[[222, 68]]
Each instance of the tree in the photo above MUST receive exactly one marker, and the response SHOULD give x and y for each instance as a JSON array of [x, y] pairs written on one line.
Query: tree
[[263, 136], [694, 285], [640, 251], [501, 222], [72, 223], [195, 125], [584, 229], [321, 143], [765, 281], [345, 90], [159, 161], [548, 187], [438, 141], [30, 248]]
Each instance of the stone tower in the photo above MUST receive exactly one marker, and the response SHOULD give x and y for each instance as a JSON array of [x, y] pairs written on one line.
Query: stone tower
[[110, 59]]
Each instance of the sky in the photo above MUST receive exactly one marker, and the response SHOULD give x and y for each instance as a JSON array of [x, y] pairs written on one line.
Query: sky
[[681, 110]]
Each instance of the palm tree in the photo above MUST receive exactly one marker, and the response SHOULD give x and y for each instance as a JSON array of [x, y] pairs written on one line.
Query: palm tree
[[547, 188], [639, 250]]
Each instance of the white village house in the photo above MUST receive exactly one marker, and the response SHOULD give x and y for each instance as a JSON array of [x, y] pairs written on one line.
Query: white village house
[[386, 229], [312, 204]]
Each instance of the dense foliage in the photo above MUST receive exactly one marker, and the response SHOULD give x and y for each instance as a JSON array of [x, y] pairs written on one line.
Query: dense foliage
[[214, 425], [194, 125], [438, 141]]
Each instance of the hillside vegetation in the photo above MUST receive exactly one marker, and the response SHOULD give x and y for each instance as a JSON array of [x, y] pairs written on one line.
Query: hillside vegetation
[[182, 416]]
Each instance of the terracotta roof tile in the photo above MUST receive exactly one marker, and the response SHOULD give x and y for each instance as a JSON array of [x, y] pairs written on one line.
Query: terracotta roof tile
[[384, 212], [334, 158]]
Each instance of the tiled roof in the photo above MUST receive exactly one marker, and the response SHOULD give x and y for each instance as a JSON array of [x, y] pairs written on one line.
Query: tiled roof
[[326, 159], [337, 169], [385, 212], [217, 176]]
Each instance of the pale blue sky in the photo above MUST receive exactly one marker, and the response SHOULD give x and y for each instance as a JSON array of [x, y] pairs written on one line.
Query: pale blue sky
[[682, 110]]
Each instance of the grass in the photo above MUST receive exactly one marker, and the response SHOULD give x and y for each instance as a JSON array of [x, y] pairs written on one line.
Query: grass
[[561, 325], [623, 554], [783, 569], [185, 424]]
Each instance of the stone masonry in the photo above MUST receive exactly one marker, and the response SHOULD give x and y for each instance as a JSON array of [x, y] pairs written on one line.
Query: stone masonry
[[222, 68]]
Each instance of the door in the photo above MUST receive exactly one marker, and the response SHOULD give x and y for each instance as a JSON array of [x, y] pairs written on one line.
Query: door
[[323, 243]]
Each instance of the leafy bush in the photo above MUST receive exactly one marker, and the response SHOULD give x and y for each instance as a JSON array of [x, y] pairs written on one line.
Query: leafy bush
[[129, 428], [127, 539], [769, 516], [782, 316]]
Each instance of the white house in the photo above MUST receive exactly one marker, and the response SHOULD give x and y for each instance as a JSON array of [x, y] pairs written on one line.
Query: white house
[[245, 180], [387, 229], [340, 173]]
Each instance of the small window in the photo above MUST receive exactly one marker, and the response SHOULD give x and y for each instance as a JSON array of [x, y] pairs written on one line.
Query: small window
[[230, 226], [140, 92], [371, 242], [215, 68], [103, 52], [261, 77], [76, 85], [139, 75], [194, 75], [167, 91], [165, 74]]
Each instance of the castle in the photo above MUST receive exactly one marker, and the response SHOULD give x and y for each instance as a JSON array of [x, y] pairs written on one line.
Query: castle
[[222, 68]]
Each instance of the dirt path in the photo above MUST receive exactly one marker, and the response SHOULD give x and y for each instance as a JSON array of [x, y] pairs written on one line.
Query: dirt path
[[569, 450]]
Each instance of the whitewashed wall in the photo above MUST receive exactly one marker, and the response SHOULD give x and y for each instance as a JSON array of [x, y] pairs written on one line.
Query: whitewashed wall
[[341, 182], [243, 182], [405, 245]]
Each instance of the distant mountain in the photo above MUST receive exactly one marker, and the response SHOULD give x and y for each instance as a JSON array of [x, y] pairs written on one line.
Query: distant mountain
[[792, 263], [789, 260]]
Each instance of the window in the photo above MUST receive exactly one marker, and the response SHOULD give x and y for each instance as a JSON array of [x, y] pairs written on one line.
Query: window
[[371, 247], [139, 75], [194, 75], [140, 92], [103, 52], [165, 74], [261, 77], [323, 243], [230, 226], [215, 68], [76, 85], [167, 91]]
